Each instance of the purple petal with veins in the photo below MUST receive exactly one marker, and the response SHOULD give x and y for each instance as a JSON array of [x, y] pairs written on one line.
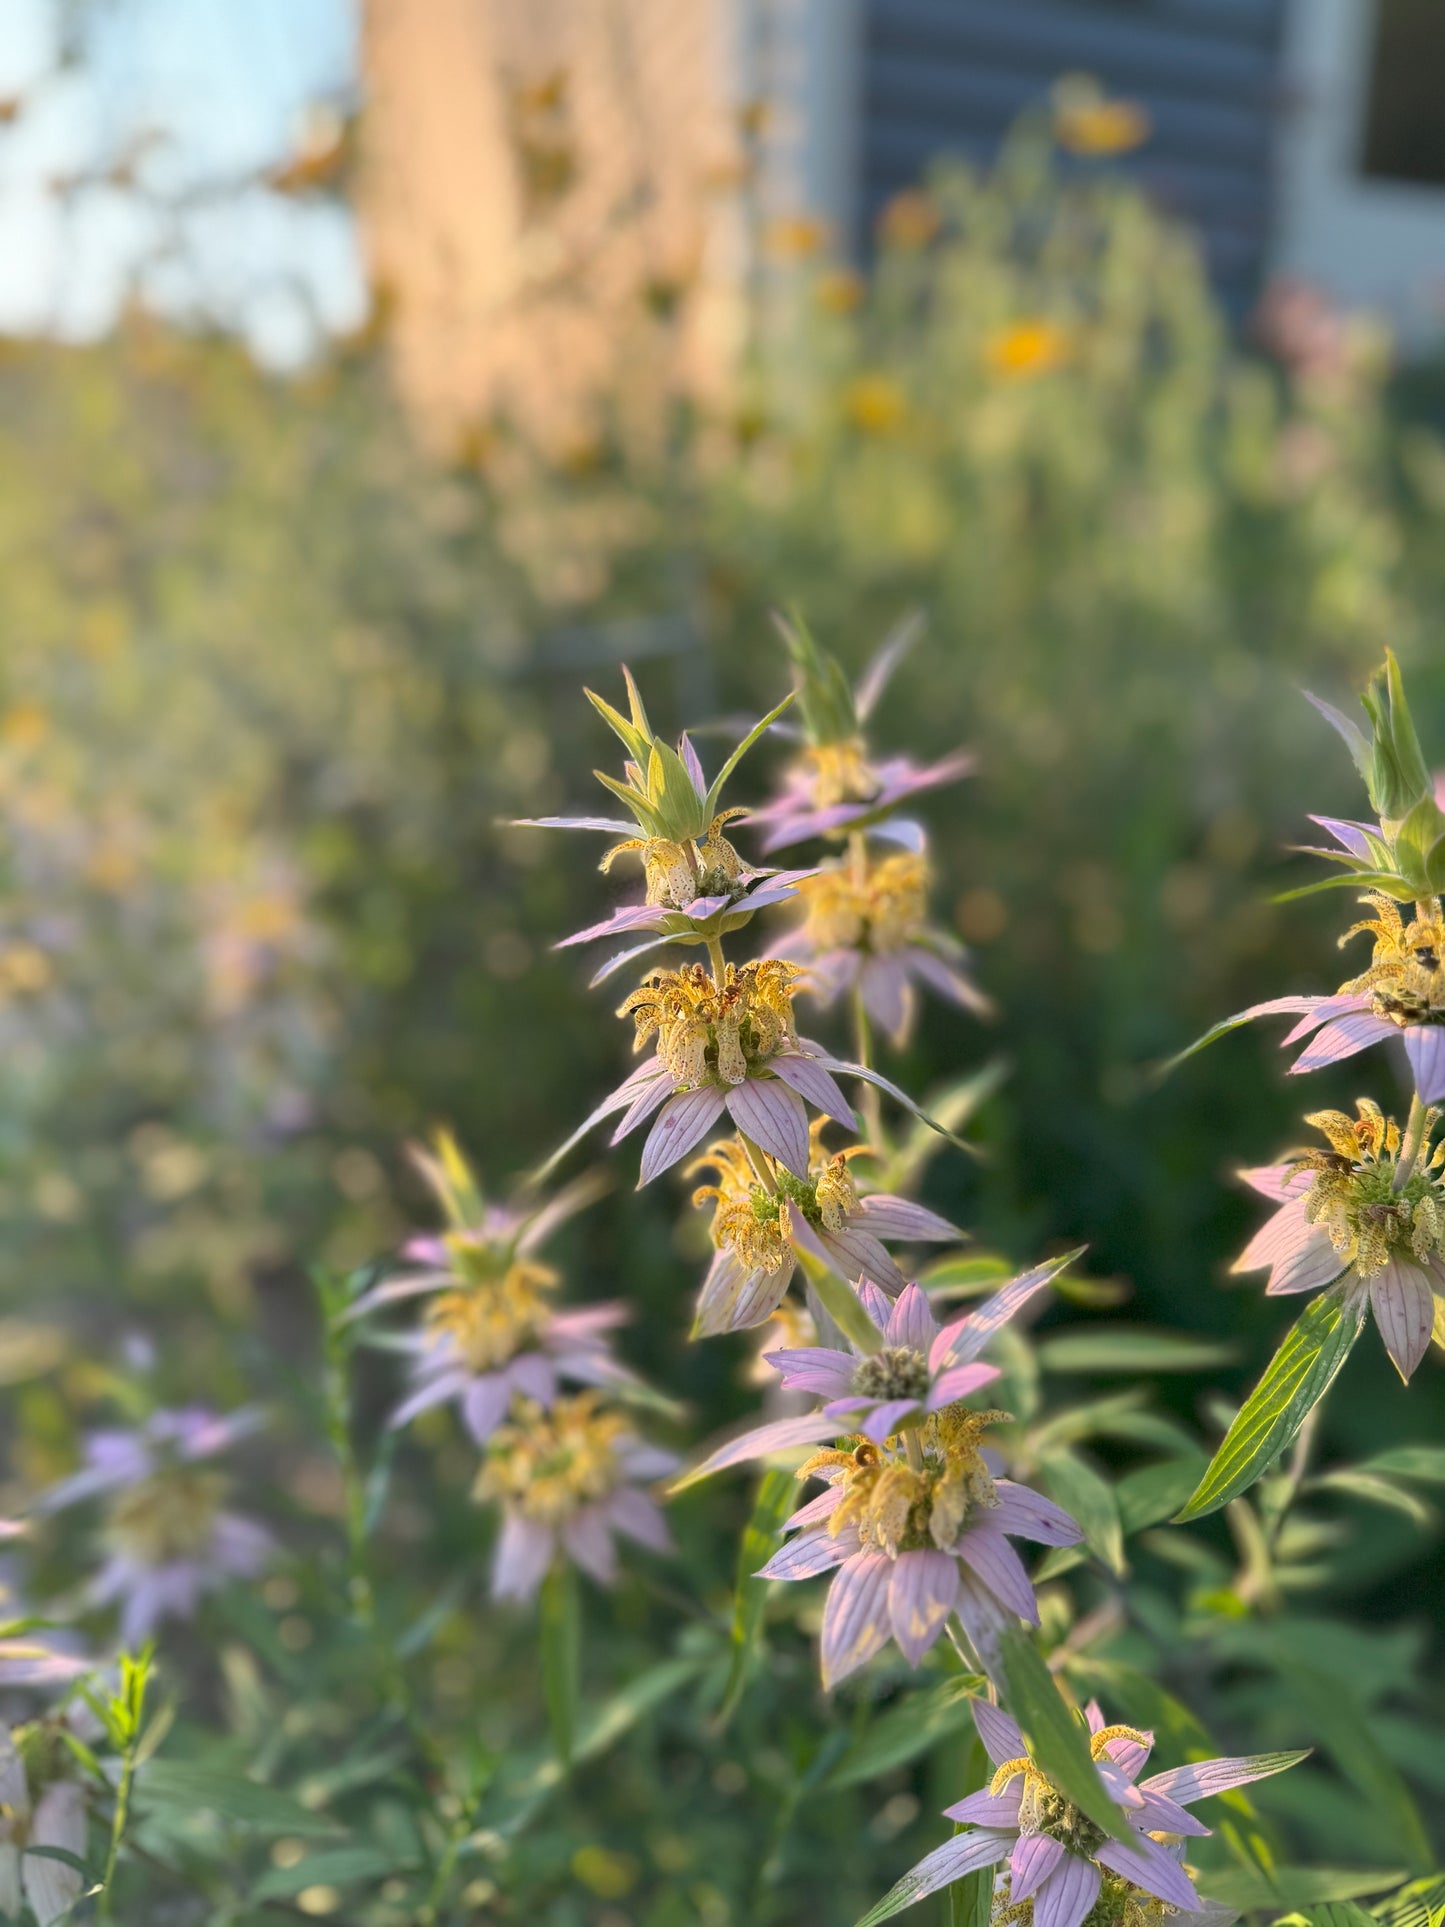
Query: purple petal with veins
[[1404, 1308], [816, 1510], [1349, 836], [684, 1122], [813, 1082], [1186, 1784], [957, 1343], [811, 1553], [1031, 1863], [1342, 1038], [993, 1560], [810, 1428], [920, 1598], [654, 1091], [989, 1809], [1064, 1899], [911, 1321], [773, 1116], [814, 1368], [960, 1381], [889, 1217], [856, 1253], [1149, 1866], [1425, 1048], [614, 825], [1279, 1182], [855, 1619]]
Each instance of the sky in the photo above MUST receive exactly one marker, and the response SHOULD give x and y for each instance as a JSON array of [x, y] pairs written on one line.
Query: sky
[[201, 97]]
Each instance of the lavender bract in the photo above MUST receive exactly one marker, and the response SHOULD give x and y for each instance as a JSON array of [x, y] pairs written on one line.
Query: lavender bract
[[42, 1804]]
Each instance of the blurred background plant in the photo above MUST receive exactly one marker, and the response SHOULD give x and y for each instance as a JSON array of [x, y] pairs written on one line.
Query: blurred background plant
[[273, 675]]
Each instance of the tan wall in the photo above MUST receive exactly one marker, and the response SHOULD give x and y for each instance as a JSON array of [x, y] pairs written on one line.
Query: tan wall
[[551, 199]]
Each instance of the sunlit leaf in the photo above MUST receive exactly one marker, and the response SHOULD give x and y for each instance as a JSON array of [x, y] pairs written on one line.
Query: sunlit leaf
[[1296, 1379], [1131, 1348], [1057, 1737]]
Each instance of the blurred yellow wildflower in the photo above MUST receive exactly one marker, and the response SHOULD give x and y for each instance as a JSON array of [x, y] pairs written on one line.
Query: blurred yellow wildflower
[[24, 724], [1086, 121], [875, 403], [1027, 348], [910, 220], [795, 237], [840, 291]]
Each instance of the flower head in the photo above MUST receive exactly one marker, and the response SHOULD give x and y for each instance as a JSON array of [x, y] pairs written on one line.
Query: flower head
[[567, 1480], [490, 1331], [867, 929], [1369, 1210], [759, 1227], [914, 1523], [168, 1533], [835, 787], [1087, 121], [1058, 1860]]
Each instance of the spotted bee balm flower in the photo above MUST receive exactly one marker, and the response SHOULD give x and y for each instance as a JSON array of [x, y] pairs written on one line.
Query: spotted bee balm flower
[[1370, 1212], [915, 1523], [568, 1481], [835, 787], [867, 931], [764, 1216], [168, 1533], [490, 1332], [697, 886], [1055, 1860]]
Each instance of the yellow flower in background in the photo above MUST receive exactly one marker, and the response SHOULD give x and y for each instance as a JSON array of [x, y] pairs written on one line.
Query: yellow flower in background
[[910, 220], [840, 291], [1027, 348], [795, 237], [1086, 121], [23, 725], [875, 403]]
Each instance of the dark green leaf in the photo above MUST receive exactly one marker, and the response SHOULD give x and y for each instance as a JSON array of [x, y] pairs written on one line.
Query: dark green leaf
[[1057, 1737], [777, 1497], [1155, 1492], [1296, 1379], [914, 1726], [1290, 1887], [1410, 1462], [190, 1787], [337, 1868], [1131, 1348], [1345, 1731], [1082, 1492]]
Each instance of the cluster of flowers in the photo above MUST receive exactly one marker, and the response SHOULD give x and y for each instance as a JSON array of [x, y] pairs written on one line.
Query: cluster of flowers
[[1366, 1218]]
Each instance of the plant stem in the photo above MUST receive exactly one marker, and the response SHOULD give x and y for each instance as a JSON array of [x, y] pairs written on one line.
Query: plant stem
[[719, 966], [118, 1821], [871, 1098], [1413, 1141], [758, 1159], [913, 1446]]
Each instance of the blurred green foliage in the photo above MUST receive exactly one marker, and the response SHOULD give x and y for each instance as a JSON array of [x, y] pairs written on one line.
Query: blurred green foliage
[[270, 681]]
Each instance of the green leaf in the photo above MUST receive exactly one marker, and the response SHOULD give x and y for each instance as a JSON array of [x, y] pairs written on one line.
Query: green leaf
[[337, 1868], [1335, 1913], [1131, 1348], [914, 1726], [187, 1786], [1296, 1379], [1376, 1487], [1156, 1492], [777, 1497], [1387, 880], [560, 1636], [1410, 1462], [1286, 1888], [1057, 1737], [1345, 1732], [1140, 1700], [1415, 1904], [1081, 1491], [741, 751]]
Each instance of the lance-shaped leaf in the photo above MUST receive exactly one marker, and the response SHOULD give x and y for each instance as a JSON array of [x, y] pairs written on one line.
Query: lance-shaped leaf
[[777, 1496], [1058, 1740], [711, 804], [1296, 1379]]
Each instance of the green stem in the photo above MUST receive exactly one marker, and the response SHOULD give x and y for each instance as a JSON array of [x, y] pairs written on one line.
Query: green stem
[[913, 1446], [118, 1825], [1413, 1143], [758, 1159], [871, 1098], [842, 1305], [719, 965]]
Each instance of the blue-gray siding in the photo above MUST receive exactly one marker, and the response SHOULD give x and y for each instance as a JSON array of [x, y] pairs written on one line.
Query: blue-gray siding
[[949, 76]]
